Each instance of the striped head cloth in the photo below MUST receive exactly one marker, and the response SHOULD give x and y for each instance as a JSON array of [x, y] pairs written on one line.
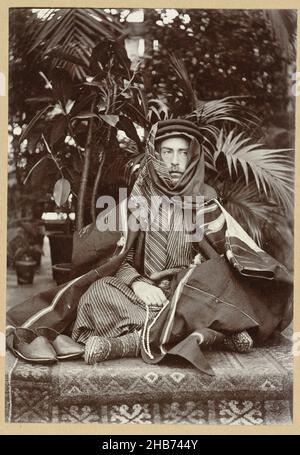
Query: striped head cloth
[[154, 185]]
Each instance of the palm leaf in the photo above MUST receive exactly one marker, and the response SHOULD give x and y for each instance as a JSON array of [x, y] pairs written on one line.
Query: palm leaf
[[272, 169], [72, 34], [71, 56], [208, 157], [33, 122], [208, 112], [135, 112], [141, 99], [225, 109], [181, 72], [159, 109], [246, 205]]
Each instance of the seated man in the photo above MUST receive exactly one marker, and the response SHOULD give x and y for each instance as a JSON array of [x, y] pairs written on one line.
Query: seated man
[[143, 300]]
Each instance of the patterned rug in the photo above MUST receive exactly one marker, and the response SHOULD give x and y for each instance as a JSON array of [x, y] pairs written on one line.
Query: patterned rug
[[248, 389]]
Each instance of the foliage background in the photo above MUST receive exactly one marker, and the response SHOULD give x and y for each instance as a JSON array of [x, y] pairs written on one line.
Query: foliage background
[[225, 52]]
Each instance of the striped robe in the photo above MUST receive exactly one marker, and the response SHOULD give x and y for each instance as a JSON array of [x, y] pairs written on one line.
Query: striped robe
[[110, 308]]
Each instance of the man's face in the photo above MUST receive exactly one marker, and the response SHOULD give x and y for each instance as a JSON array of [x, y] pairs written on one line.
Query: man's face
[[174, 153]]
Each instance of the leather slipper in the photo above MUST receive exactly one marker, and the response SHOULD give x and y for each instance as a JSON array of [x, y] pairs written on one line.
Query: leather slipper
[[64, 346], [32, 347]]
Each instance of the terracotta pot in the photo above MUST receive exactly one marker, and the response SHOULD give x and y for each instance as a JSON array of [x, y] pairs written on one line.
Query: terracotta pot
[[25, 270], [61, 246], [61, 272]]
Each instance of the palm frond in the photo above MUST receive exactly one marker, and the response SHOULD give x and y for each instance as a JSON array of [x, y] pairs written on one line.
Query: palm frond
[[272, 169], [208, 158], [207, 113], [158, 110], [223, 110], [33, 122], [246, 205], [72, 34], [180, 70]]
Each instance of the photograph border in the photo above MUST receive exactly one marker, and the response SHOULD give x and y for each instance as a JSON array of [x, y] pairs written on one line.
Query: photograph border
[[141, 429]]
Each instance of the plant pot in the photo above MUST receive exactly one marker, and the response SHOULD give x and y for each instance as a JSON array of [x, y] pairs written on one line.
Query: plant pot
[[25, 271], [37, 257], [61, 246], [61, 272], [54, 226]]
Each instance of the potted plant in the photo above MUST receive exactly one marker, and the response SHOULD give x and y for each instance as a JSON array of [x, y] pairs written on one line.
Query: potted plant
[[61, 272], [25, 248], [61, 246], [35, 233], [61, 242], [25, 264]]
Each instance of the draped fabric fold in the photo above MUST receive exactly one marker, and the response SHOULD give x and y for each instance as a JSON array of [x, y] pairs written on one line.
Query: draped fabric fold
[[242, 289]]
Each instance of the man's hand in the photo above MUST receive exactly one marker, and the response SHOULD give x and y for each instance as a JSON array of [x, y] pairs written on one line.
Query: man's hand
[[151, 295]]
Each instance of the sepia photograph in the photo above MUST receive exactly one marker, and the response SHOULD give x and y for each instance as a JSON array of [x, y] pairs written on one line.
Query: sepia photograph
[[150, 216]]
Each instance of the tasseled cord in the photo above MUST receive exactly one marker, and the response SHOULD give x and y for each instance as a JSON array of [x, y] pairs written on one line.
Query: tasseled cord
[[146, 335]]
